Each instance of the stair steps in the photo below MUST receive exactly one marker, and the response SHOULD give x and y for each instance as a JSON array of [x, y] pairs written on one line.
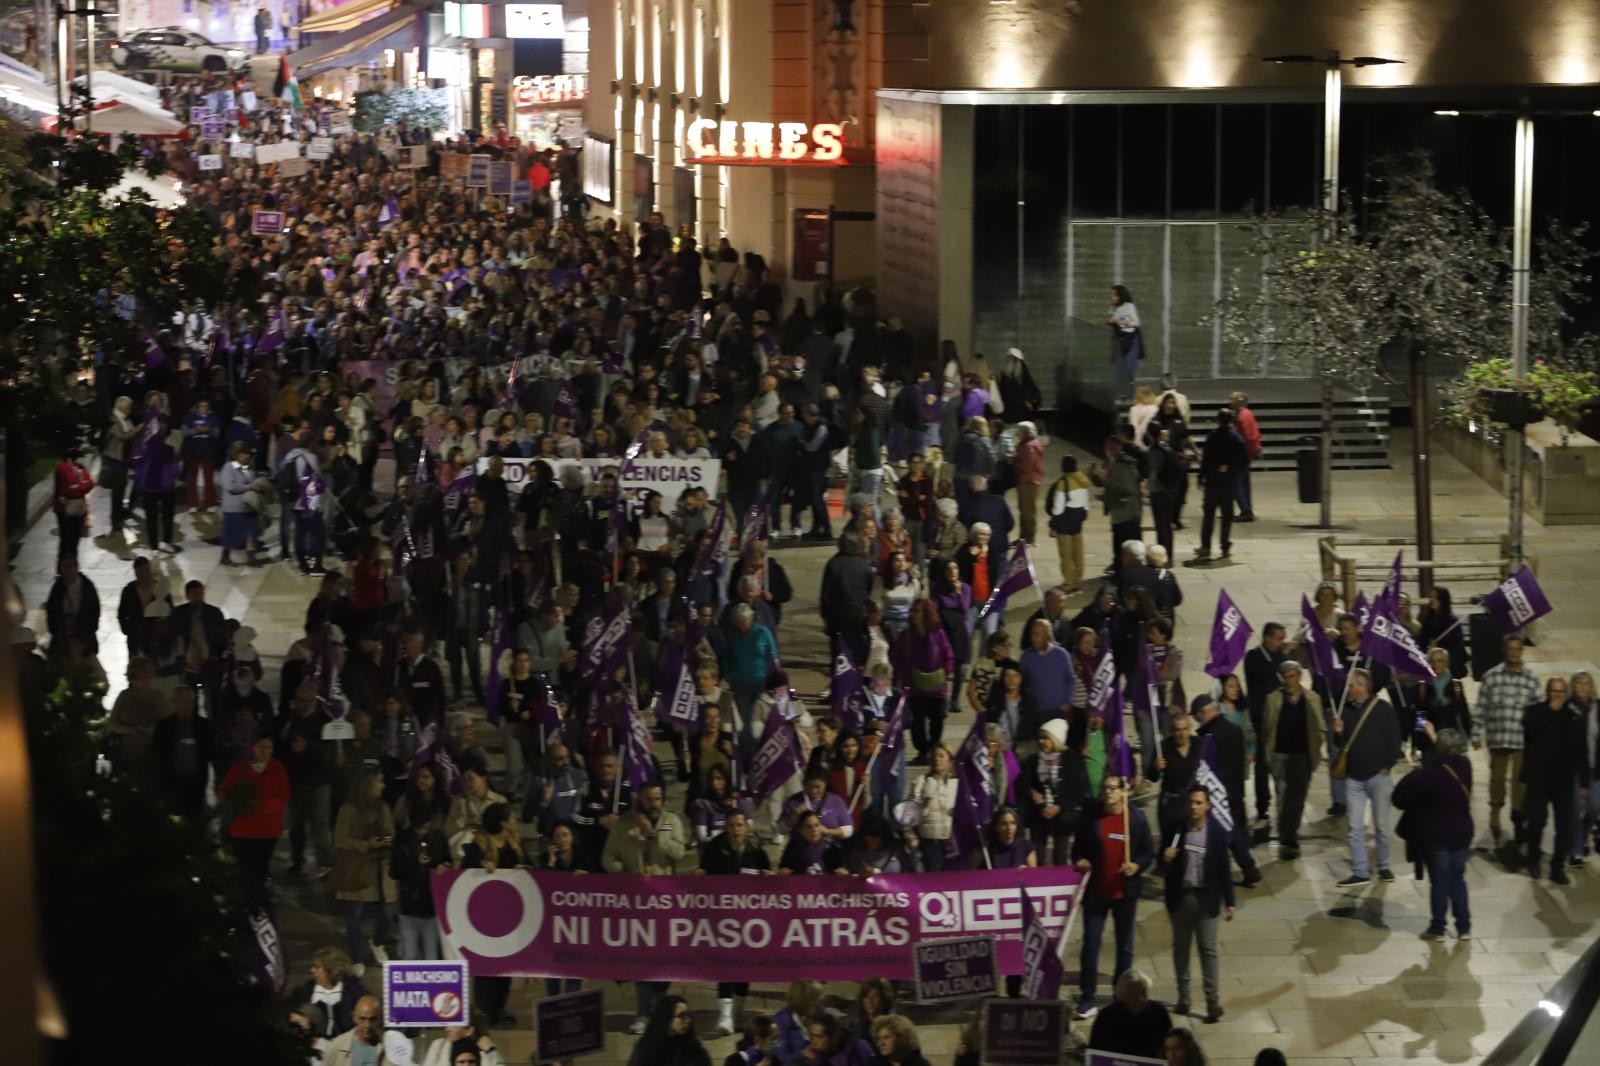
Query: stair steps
[[1360, 430]]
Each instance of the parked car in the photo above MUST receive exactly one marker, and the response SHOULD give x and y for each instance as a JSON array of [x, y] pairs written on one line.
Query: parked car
[[174, 49]]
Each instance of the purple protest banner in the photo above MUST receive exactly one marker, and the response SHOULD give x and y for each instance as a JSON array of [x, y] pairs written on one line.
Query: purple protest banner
[[625, 927], [271, 970], [1208, 777], [267, 222], [777, 759], [894, 738], [1041, 959], [1023, 1032], [425, 995], [609, 644], [455, 497], [975, 797], [1323, 660], [638, 752], [1017, 576], [677, 699], [1230, 635], [846, 692], [953, 969], [569, 1025], [1517, 601]]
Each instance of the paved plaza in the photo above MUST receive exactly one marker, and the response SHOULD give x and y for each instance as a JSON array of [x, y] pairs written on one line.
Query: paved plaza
[[1325, 975]]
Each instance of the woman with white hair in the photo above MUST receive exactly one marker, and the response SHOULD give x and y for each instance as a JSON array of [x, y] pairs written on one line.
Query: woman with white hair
[[945, 534]]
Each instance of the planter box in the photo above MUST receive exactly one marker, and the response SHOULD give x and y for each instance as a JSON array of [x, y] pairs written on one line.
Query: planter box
[[1561, 484]]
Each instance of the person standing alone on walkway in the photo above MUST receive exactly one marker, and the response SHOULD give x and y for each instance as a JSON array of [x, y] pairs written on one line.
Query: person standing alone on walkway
[[1244, 421], [1222, 459]]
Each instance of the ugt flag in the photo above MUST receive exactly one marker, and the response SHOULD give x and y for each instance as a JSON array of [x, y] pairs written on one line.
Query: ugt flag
[[677, 700], [1017, 576], [1230, 636], [776, 760], [847, 692], [1518, 601], [1323, 660], [975, 797], [1206, 775], [1386, 639], [1041, 962]]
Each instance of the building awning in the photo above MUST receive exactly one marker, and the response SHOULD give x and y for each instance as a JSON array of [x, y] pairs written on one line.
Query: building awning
[[397, 30], [345, 16]]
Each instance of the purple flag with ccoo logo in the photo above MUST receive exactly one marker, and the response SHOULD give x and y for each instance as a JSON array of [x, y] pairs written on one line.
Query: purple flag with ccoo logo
[[1517, 601]]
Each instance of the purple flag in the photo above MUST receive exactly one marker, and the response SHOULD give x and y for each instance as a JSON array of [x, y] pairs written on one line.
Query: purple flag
[[455, 497], [389, 213], [500, 653], [609, 645], [776, 760], [420, 476], [1208, 776], [894, 736], [1144, 690], [1017, 575], [1041, 961], [677, 699], [847, 692], [1387, 640], [547, 711], [325, 675], [1230, 636], [431, 751], [1362, 609], [154, 356], [312, 489], [272, 339], [610, 362], [1517, 601], [1323, 660], [566, 401], [975, 797], [1119, 753], [713, 553], [638, 753], [1101, 681], [757, 523]]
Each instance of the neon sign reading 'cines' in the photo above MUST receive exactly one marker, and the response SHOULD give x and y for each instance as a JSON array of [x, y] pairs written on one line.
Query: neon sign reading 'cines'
[[733, 143]]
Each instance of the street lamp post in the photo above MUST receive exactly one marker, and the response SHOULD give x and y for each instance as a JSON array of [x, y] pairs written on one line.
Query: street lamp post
[[1521, 242], [1332, 102]]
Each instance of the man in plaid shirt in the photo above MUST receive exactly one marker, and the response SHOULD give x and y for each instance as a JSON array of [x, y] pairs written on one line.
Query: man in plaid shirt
[[1506, 691]]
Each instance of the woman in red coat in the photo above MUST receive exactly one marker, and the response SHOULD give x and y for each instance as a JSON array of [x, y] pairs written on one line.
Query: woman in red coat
[[73, 485], [255, 792]]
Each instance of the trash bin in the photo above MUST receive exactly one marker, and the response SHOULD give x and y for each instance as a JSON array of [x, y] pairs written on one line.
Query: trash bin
[[1307, 462]]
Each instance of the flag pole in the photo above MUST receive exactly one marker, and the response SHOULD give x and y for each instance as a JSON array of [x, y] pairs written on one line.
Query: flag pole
[[1355, 664]]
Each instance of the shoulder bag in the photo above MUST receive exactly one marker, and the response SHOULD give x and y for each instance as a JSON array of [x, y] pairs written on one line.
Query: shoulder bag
[[1341, 766]]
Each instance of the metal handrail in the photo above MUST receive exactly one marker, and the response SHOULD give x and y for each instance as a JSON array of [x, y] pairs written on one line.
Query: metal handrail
[[1341, 567]]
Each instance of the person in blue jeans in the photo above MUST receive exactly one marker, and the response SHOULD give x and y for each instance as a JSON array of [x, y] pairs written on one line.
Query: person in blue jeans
[[1113, 849], [1437, 801], [1371, 735]]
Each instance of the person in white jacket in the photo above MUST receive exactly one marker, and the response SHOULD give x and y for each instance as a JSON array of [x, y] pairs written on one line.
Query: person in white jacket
[[937, 794]]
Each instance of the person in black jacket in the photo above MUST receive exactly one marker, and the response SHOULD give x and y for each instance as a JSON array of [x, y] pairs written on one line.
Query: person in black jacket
[[1224, 457], [1134, 1024], [1260, 681], [1228, 743], [1371, 743], [1442, 702], [846, 587], [420, 848], [733, 852], [180, 754], [1437, 826], [1199, 889], [1053, 788], [73, 607], [1555, 767], [1175, 769], [1113, 847]]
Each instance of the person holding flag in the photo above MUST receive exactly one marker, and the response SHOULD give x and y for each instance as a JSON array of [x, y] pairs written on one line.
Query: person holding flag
[[1113, 848], [1222, 749], [1371, 747], [1199, 890]]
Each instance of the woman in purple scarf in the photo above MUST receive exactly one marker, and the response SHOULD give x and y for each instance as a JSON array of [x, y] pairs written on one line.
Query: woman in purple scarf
[[155, 465]]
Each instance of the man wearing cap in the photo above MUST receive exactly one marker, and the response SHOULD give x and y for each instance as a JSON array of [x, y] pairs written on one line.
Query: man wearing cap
[[1291, 735], [1227, 741]]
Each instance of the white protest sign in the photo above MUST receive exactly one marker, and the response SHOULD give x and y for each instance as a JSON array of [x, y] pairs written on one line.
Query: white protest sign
[[211, 162], [413, 157], [320, 148], [294, 168], [669, 476], [242, 149], [274, 153]]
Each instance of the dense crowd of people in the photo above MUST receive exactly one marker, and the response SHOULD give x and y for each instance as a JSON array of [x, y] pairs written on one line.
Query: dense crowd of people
[[494, 354]]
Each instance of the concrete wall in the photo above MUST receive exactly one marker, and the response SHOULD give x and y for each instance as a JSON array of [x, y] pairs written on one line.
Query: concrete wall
[[1093, 44]]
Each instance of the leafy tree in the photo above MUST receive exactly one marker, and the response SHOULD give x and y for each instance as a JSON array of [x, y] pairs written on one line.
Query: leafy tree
[[414, 107]]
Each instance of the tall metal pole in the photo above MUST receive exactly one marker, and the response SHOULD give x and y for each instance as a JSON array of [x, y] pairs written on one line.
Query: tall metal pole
[[1422, 480], [1332, 91], [1521, 241], [88, 70]]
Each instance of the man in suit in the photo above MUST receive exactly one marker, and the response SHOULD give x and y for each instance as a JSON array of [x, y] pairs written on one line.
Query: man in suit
[[1261, 680], [73, 608], [422, 681], [1198, 892], [1228, 741]]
